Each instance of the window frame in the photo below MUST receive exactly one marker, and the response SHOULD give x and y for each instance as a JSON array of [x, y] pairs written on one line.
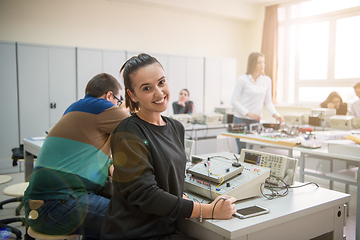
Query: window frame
[[330, 81]]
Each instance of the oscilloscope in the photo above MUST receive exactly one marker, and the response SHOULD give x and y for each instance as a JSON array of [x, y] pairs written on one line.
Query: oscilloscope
[[281, 167]]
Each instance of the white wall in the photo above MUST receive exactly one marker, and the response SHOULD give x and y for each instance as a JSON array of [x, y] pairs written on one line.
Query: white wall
[[117, 25]]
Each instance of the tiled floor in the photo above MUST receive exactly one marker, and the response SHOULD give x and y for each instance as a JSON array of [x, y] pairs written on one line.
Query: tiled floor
[[9, 209]]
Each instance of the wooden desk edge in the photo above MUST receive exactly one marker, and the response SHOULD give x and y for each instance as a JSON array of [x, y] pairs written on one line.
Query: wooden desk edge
[[283, 143]]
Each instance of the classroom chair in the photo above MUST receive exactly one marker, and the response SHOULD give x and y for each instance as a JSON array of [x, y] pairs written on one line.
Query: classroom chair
[[32, 233], [4, 223], [17, 192]]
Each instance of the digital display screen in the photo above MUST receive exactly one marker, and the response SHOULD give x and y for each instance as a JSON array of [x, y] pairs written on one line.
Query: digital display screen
[[250, 210], [252, 158]]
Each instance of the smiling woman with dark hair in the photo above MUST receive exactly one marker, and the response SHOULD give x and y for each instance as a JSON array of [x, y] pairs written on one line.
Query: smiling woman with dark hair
[[149, 161]]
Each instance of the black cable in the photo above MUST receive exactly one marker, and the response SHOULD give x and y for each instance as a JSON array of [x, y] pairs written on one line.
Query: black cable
[[212, 214], [208, 170], [219, 157], [275, 189], [305, 185]]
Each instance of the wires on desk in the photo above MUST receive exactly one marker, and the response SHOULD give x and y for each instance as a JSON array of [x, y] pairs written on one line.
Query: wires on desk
[[279, 191]]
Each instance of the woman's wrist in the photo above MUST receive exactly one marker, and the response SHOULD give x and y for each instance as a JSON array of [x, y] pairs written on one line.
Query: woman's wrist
[[206, 210], [202, 212]]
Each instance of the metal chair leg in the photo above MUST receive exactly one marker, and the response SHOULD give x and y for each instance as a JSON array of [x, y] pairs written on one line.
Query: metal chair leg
[[5, 228]]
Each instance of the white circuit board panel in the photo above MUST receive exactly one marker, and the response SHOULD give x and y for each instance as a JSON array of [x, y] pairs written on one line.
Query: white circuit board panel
[[215, 170], [220, 177]]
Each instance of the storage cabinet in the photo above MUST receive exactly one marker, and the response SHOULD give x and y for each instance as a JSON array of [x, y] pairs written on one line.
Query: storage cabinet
[[47, 86], [177, 79], [220, 79], [186, 72], [62, 80], [91, 62], [195, 81], [9, 126], [41, 81]]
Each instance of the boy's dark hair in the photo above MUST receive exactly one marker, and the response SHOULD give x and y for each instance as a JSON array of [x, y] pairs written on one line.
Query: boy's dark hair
[[130, 67], [101, 84]]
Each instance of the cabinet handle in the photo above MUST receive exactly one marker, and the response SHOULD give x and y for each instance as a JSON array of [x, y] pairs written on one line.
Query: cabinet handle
[[52, 105]]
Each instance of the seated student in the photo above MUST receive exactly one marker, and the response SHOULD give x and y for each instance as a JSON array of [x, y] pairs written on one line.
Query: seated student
[[73, 164], [149, 162], [183, 105], [355, 106], [335, 101]]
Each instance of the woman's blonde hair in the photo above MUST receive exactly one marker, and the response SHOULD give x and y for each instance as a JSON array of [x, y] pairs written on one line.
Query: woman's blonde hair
[[252, 61]]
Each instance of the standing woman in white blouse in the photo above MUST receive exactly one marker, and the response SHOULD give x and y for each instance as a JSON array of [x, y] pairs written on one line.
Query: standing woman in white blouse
[[254, 90]]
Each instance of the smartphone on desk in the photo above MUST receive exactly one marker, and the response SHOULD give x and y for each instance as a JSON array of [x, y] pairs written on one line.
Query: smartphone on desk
[[251, 211]]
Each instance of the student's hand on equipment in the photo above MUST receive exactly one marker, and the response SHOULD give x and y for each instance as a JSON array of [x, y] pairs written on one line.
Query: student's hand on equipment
[[223, 207], [254, 116], [279, 119]]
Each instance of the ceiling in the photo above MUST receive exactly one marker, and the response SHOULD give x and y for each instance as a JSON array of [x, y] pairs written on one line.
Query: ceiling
[[247, 10], [259, 1]]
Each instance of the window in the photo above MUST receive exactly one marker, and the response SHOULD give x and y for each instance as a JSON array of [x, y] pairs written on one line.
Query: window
[[347, 48], [319, 50]]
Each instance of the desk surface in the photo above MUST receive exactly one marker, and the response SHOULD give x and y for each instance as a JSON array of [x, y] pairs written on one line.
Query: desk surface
[[286, 142], [325, 153], [318, 153], [299, 202], [33, 145], [265, 138], [191, 127]]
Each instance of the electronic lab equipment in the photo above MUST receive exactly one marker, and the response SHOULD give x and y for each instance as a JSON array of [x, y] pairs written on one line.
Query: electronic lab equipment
[[236, 127], [274, 126], [321, 116], [357, 122], [223, 110], [255, 127], [197, 118], [227, 113], [280, 166], [218, 175], [342, 122], [213, 118], [324, 112], [183, 118], [294, 119]]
